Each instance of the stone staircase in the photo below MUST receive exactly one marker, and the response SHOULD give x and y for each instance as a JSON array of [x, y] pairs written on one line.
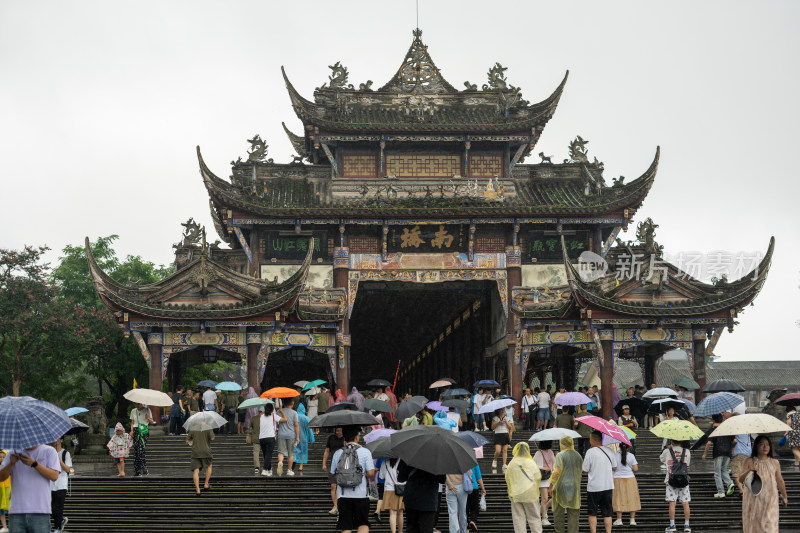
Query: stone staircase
[[239, 501]]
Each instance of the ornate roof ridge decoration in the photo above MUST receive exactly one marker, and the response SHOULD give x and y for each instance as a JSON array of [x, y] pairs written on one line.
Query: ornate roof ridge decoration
[[727, 298], [298, 141], [256, 296], [533, 197], [489, 111], [417, 72]]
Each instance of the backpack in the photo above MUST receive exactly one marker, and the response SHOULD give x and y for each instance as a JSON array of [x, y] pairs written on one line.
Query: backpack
[[349, 471], [679, 474]]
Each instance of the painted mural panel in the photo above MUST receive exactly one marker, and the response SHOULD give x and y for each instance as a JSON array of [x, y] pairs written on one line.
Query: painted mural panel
[[319, 276]]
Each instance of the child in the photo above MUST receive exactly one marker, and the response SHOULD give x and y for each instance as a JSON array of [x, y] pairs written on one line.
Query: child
[[119, 447], [5, 498], [675, 449]]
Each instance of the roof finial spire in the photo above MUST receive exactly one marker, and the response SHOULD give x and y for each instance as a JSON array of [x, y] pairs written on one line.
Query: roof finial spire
[[417, 30]]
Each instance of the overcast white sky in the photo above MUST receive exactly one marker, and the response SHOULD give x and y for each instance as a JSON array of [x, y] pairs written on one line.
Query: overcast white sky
[[102, 104]]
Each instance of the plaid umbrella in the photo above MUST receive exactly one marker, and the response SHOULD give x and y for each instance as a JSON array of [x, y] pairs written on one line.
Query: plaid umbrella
[[26, 422], [714, 404]]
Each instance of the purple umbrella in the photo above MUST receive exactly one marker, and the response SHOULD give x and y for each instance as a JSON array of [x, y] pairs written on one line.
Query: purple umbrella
[[436, 406], [573, 398], [378, 433]]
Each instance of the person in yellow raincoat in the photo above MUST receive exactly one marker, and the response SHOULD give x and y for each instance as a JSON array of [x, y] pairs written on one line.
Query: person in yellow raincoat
[[522, 478], [5, 498], [565, 487]]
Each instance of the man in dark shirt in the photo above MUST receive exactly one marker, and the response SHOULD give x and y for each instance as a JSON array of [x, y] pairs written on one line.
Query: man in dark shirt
[[723, 450], [202, 457], [335, 442], [421, 497], [565, 420]]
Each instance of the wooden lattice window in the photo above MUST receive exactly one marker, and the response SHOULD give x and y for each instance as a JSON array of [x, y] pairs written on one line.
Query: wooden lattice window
[[490, 244], [359, 166], [423, 165], [485, 165], [364, 245]]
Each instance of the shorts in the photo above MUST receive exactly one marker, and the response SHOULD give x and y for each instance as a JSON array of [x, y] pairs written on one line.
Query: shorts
[[501, 439], [332, 478], [4, 512], [201, 463], [543, 414], [353, 513], [600, 501], [116, 459], [678, 495], [736, 465], [286, 447]]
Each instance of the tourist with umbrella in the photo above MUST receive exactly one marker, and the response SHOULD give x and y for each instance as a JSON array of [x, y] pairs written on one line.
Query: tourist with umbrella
[[26, 426], [793, 421], [353, 503], [762, 479], [141, 418], [199, 438], [502, 427], [721, 454], [545, 460], [335, 443], [599, 463], [288, 435], [625, 498], [478, 400]]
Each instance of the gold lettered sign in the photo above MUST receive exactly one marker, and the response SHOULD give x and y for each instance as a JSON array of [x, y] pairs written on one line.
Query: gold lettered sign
[[436, 238]]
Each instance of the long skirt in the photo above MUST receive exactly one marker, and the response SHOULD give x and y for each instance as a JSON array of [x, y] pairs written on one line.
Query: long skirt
[[626, 495], [139, 457]]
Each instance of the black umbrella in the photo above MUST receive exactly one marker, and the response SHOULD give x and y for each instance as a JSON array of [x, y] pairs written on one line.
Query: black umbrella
[[636, 405], [433, 449], [77, 427], [456, 392], [343, 418], [341, 406], [381, 447], [410, 407], [661, 406], [458, 404], [723, 385], [475, 440], [378, 405], [486, 383], [379, 383]]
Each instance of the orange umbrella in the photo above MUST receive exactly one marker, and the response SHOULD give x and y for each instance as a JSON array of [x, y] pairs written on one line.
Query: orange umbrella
[[280, 392]]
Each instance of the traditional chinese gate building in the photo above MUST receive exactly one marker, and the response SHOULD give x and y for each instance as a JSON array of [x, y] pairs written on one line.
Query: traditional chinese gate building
[[409, 233]]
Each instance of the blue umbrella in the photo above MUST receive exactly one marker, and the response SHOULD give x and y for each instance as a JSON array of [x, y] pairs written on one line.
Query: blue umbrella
[[72, 411], [26, 422], [315, 383], [713, 404], [456, 392], [475, 440], [207, 383], [228, 386], [486, 383]]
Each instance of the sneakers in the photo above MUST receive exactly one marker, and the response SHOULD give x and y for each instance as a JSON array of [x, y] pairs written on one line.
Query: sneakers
[[257, 470], [633, 521], [334, 511], [280, 469], [719, 495], [472, 526], [269, 473], [504, 468], [731, 489], [377, 517], [265, 473], [290, 473], [4, 530], [494, 464], [618, 522], [687, 529], [545, 521], [64, 523], [671, 529]]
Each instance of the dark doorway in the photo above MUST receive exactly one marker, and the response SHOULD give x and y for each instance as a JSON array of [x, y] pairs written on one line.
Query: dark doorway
[[287, 367], [396, 322]]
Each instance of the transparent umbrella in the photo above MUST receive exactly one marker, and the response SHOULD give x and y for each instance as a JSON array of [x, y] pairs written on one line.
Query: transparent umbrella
[[204, 420]]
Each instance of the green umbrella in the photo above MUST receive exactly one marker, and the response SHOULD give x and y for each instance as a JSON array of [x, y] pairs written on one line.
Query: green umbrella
[[687, 383], [315, 383], [254, 402]]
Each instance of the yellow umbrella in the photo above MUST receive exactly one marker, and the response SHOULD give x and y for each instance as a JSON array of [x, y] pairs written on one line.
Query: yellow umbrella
[[677, 430], [752, 423]]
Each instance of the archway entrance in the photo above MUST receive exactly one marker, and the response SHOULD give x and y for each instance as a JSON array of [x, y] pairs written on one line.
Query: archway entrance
[[431, 330], [180, 362], [294, 364]]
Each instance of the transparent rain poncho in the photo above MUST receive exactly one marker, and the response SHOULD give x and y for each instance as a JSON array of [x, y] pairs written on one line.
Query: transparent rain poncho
[[567, 487], [523, 476]]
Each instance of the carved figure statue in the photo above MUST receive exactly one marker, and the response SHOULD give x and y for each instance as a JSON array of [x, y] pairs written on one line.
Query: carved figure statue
[[497, 78], [428, 192], [192, 233], [646, 233], [365, 86], [97, 415], [772, 408], [338, 77], [470, 87], [618, 182], [577, 150], [364, 191], [546, 158], [258, 150]]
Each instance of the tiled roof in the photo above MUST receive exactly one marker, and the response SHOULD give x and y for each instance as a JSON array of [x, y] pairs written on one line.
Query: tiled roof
[[752, 375]]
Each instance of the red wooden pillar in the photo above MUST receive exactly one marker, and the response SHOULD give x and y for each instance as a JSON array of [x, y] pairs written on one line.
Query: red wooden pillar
[[607, 379], [514, 279], [341, 269], [156, 361], [252, 366], [700, 366]]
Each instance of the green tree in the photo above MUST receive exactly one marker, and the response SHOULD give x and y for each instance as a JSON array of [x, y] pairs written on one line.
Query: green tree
[[41, 333], [112, 359]]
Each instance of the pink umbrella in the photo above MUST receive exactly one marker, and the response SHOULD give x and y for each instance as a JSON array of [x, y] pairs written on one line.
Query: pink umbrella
[[605, 427], [378, 433]]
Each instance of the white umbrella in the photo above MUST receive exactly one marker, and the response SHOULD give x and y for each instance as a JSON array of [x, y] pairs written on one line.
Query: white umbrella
[[149, 397], [301, 383], [752, 423], [659, 392], [312, 391], [494, 405], [204, 420], [554, 434]]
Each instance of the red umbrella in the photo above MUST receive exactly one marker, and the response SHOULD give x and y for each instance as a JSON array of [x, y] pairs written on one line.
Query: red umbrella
[[280, 392], [790, 399], [605, 427]]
